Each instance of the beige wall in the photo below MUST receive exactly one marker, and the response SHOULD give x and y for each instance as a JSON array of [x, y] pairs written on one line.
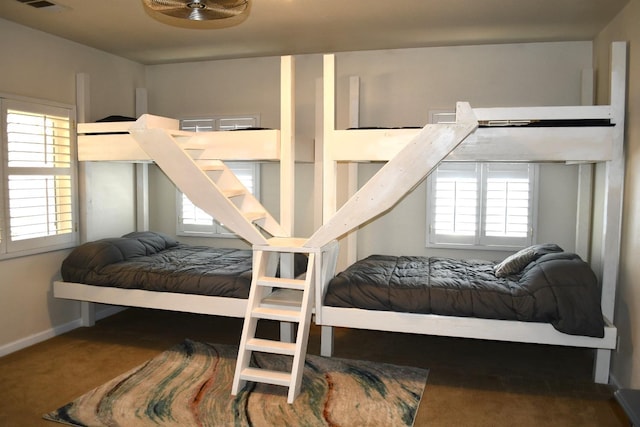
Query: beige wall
[[44, 67], [626, 361]]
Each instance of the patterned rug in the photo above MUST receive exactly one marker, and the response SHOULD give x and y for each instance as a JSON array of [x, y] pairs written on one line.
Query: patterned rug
[[190, 385]]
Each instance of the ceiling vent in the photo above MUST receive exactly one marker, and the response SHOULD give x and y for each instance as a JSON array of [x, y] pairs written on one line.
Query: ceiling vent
[[42, 5]]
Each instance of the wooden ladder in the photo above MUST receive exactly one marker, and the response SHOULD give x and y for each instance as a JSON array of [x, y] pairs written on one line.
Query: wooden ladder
[[281, 299]]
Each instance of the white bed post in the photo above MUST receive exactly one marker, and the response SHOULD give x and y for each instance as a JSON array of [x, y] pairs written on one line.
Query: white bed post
[[614, 191], [584, 213], [287, 144], [326, 338], [287, 172], [142, 172], [351, 241], [83, 103], [318, 159], [329, 174]]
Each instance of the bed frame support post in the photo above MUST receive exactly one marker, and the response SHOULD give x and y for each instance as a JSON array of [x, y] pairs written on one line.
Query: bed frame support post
[[287, 331], [601, 366], [326, 341], [87, 313], [614, 192]]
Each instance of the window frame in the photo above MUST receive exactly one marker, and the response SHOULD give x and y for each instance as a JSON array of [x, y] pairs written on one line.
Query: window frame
[[10, 248], [217, 123], [480, 239]]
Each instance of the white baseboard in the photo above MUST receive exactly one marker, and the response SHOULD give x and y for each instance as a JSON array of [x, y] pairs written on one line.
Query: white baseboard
[[53, 332], [614, 382]]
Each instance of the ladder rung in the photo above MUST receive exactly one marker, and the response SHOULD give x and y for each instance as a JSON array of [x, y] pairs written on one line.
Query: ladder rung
[[254, 216], [283, 298], [234, 192], [281, 282], [214, 174], [270, 346], [266, 376], [280, 314], [180, 133], [192, 147], [212, 168]]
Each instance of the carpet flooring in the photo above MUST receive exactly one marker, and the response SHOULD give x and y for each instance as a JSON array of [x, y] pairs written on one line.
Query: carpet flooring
[[190, 385], [471, 382]]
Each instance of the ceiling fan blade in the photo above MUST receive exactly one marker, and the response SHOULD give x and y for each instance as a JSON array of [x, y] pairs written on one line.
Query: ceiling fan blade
[[160, 5]]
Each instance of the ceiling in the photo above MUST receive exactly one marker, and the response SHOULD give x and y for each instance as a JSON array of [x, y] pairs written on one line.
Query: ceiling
[[282, 27]]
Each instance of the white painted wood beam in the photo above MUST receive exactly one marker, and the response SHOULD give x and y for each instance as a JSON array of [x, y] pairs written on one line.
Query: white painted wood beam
[[614, 186], [398, 176], [287, 143], [142, 172], [351, 241], [584, 210]]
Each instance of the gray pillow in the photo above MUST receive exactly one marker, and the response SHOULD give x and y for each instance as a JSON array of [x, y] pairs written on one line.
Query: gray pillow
[[514, 264]]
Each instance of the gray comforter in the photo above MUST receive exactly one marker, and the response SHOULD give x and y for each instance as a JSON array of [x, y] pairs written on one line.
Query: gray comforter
[[556, 288], [155, 262]]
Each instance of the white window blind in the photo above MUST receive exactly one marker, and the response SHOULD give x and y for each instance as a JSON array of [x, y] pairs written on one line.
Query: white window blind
[[193, 220], [456, 199], [484, 205], [38, 169], [507, 198]]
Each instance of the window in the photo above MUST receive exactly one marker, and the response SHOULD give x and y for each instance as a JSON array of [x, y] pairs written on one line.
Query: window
[[193, 220], [38, 164], [481, 205]]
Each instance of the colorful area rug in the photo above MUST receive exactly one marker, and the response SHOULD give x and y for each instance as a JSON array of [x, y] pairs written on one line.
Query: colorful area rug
[[190, 385]]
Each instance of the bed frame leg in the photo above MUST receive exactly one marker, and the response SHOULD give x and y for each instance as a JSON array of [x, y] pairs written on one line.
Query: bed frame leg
[[326, 341], [601, 366], [87, 313], [287, 332]]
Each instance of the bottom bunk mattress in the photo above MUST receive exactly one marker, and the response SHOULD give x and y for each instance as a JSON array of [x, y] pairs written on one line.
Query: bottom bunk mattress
[[552, 287], [155, 262]]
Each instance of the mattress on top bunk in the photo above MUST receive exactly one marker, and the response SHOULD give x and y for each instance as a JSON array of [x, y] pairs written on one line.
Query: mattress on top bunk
[[156, 262], [544, 285], [516, 123]]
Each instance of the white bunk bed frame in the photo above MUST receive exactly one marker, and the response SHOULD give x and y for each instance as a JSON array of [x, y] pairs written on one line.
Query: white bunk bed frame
[[583, 145], [111, 141]]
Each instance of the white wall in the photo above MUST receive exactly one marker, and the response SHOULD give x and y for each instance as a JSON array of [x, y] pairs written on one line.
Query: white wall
[[626, 361], [44, 67]]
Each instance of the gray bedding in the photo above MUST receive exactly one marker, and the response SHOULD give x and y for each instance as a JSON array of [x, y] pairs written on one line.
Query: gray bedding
[[557, 288], [156, 262]]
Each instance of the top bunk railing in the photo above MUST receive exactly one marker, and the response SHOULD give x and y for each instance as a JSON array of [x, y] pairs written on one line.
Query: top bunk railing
[[533, 134], [111, 141]]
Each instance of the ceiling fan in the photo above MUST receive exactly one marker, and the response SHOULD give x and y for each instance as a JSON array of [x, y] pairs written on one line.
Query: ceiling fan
[[198, 10]]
